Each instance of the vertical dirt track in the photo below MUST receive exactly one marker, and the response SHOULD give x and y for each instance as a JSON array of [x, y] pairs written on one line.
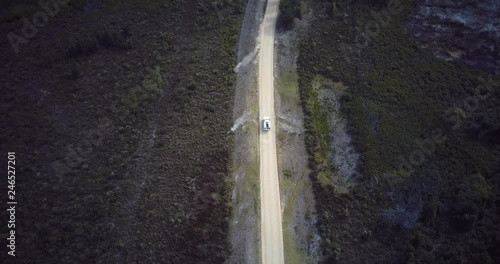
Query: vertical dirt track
[[271, 229]]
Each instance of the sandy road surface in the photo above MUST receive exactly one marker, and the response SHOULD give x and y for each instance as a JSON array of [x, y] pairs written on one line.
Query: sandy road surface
[[271, 230]]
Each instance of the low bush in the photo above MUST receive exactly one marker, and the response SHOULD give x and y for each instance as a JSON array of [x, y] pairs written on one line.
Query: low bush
[[398, 95], [102, 39], [82, 47], [288, 11]]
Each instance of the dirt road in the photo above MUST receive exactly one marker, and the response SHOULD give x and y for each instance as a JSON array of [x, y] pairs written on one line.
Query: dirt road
[[271, 230]]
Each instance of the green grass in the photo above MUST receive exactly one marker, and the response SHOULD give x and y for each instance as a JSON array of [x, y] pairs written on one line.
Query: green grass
[[319, 119], [293, 252], [253, 166], [319, 113], [288, 87], [249, 189]]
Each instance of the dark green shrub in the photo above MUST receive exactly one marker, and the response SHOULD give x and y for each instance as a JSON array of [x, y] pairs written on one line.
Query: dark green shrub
[[289, 9], [111, 39], [82, 47], [75, 73]]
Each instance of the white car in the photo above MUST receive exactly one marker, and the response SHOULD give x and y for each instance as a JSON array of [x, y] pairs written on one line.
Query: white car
[[266, 123]]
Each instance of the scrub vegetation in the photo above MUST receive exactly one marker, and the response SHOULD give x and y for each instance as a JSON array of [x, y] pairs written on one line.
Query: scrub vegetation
[[428, 135], [119, 111]]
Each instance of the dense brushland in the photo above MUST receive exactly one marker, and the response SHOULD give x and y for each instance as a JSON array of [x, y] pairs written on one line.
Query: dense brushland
[[118, 112], [428, 133]]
